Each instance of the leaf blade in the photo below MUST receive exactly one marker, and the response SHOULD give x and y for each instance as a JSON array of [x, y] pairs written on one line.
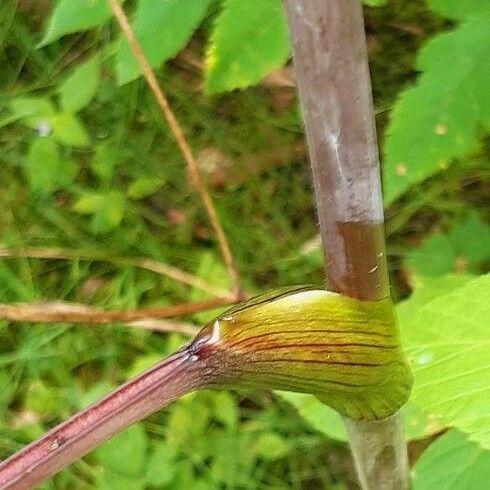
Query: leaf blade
[[249, 40]]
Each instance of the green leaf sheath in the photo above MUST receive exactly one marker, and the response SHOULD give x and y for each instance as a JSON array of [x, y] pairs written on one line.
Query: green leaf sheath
[[344, 351]]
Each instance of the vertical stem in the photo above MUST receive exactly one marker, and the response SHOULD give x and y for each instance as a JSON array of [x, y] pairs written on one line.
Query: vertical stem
[[332, 73]]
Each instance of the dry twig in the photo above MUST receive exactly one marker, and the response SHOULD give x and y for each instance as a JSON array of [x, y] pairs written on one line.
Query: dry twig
[[193, 169], [143, 263], [77, 313]]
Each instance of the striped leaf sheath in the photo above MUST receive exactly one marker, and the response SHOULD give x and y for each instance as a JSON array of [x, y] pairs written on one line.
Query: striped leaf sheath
[[345, 351]]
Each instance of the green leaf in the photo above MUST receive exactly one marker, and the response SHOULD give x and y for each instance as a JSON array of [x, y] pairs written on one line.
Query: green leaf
[[126, 453], [447, 342], [271, 446], [225, 408], [326, 420], [426, 289], [80, 87], [75, 15], [162, 28], [107, 209], [162, 465], [212, 270], [471, 239], [249, 40], [435, 257], [108, 479], [452, 463], [104, 161], [460, 9], [69, 130], [43, 165], [436, 121], [32, 110], [468, 240], [374, 3], [144, 187]]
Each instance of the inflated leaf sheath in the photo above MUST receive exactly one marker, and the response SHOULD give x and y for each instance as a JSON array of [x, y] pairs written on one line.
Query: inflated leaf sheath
[[345, 351]]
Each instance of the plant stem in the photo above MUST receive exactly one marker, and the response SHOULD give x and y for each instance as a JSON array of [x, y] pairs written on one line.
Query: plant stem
[[177, 375], [333, 80], [181, 141]]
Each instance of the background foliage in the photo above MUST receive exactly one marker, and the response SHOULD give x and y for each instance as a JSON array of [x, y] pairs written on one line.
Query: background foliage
[[87, 164]]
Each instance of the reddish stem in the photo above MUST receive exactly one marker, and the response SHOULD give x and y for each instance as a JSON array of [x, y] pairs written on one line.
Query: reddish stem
[[177, 375]]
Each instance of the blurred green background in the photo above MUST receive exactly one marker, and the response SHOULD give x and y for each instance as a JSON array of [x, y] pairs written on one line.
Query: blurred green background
[[87, 164]]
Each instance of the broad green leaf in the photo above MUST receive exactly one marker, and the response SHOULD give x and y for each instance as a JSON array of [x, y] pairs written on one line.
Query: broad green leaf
[[249, 40], [75, 15], [80, 87], [426, 289], [318, 415], [436, 121], [326, 420], [144, 187], [69, 130], [447, 342], [162, 27], [471, 239], [435, 257], [466, 246], [460, 9], [452, 463], [126, 453]]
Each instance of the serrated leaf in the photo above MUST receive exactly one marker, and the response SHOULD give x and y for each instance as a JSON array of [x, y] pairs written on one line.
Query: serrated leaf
[[436, 121], [126, 453], [248, 41], [69, 130], [162, 28], [447, 342], [144, 187], [452, 463], [80, 87], [460, 9], [71, 16]]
